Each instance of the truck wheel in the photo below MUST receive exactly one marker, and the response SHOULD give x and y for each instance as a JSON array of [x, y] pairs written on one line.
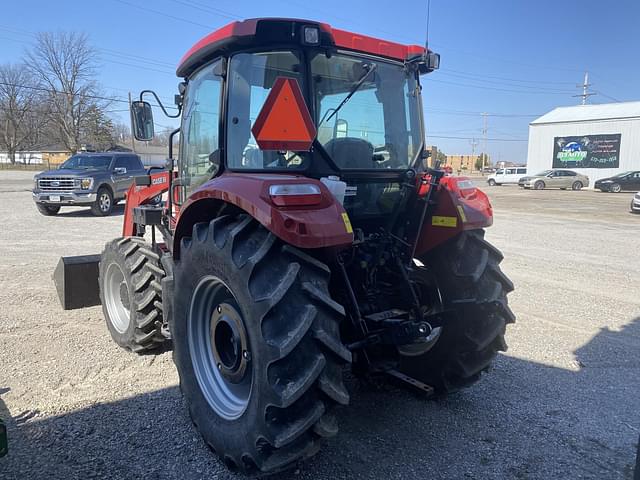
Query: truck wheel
[[471, 283], [256, 344], [47, 210], [131, 293], [491, 182], [103, 204]]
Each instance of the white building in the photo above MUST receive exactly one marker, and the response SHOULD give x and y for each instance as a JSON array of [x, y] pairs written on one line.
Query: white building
[[596, 140]]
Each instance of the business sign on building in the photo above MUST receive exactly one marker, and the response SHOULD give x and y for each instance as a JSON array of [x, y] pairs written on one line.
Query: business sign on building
[[587, 151]]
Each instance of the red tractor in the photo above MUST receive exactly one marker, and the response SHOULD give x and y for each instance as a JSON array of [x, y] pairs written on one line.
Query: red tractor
[[301, 233]]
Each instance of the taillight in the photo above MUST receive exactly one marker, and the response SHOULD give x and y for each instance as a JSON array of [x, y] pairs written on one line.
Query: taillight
[[295, 194]]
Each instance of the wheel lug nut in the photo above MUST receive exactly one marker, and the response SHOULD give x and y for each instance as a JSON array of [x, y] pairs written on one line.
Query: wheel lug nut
[[219, 309], [246, 355], [219, 366]]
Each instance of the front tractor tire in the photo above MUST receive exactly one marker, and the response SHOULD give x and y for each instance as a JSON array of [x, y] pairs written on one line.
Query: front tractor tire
[[256, 345], [471, 284], [131, 293]]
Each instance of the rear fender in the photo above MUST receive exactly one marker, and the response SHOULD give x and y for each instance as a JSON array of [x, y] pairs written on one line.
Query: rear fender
[[315, 226], [459, 206]]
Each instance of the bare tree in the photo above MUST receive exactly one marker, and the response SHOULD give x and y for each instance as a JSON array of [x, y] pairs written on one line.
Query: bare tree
[[65, 64], [22, 114]]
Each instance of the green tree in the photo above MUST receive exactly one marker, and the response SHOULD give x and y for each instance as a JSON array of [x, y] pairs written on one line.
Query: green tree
[[479, 161]]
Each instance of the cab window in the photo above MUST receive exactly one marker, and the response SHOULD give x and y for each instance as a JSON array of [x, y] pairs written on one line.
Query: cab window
[[251, 77], [200, 127]]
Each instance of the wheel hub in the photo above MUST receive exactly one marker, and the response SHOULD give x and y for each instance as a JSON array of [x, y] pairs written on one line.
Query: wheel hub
[[229, 342], [219, 348]]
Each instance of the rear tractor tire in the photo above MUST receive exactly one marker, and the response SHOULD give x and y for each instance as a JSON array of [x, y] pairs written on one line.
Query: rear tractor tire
[[256, 345], [131, 293], [470, 282]]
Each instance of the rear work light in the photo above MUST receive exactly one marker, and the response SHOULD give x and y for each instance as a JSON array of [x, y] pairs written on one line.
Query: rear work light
[[295, 194], [311, 35]]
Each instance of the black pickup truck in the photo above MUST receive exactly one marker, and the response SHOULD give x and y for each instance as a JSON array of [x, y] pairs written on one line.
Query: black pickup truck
[[98, 180]]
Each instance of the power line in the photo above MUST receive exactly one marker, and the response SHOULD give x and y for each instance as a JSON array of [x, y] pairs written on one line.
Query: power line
[[473, 138], [482, 87], [158, 12], [80, 95]]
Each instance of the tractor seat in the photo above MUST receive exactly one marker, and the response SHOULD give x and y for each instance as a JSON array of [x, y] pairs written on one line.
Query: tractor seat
[[350, 152]]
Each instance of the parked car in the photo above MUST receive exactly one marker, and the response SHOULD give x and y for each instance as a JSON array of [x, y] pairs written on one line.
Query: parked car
[[97, 180], [506, 175], [635, 203], [562, 179], [623, 181]]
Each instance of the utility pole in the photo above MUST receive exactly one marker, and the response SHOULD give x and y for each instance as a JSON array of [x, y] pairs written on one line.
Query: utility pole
[[473, 143], [484, 133], [585, 89], [133, 143]]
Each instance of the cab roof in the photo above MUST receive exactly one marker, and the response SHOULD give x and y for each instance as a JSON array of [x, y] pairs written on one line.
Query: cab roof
[[261, 31]]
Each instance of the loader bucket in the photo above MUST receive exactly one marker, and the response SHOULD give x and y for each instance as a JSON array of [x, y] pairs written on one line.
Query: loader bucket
[[76, 280]]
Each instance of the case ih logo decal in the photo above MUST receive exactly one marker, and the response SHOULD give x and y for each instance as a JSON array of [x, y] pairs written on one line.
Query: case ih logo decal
[[588, 151], [158, 180]]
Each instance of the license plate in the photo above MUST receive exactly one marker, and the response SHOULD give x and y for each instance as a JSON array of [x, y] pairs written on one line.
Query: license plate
[[54, 198]]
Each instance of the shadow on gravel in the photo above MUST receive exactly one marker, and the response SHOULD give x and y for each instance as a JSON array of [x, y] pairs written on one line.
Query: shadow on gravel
[[524, 420], [118, 210]]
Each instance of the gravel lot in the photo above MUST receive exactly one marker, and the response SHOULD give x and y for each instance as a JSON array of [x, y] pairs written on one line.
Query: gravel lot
[[561, 403]]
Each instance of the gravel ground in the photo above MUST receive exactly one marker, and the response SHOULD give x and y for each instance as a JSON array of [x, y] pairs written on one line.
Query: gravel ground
[[561, 403]]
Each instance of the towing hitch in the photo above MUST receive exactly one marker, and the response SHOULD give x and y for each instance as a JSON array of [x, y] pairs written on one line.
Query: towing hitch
[[393, 327]]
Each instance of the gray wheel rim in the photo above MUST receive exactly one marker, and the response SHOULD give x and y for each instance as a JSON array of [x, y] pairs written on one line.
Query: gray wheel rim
[[615, 188], [116, 293], [228, 399], [105, 202]]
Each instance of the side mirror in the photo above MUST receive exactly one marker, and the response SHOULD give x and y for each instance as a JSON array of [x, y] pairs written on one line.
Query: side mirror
[[142, 121], [120, 170]]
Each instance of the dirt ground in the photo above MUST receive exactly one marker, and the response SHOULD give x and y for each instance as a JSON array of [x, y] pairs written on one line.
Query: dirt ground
[[561, 403]]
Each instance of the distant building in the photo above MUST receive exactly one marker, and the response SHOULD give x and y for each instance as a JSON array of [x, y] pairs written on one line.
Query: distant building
[[48, 155], [595, 140], [151, 155], [462, 163]]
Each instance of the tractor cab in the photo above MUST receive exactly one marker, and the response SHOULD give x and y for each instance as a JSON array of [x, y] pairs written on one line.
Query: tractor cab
[[350, 107]]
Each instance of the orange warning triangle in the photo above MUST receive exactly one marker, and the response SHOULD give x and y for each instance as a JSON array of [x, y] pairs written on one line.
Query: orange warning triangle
[[284, 122]]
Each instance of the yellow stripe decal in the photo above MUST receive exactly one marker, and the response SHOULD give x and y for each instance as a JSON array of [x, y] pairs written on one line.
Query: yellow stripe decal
[[347, 222], [438, 221], [463, 217]]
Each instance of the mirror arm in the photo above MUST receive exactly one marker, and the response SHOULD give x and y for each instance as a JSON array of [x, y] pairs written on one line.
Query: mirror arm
[[160, 104]]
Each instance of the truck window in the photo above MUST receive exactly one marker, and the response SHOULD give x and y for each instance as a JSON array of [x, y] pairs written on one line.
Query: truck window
[[522, 171], [134, 163]]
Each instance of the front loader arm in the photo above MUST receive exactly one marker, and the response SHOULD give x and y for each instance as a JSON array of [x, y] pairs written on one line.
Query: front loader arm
[[156, 184]]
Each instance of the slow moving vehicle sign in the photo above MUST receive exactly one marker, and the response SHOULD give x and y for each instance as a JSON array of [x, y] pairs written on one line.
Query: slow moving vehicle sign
[[587, 151]]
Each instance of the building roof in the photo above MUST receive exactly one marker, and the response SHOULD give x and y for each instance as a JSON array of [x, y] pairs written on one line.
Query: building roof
[[580, 113]]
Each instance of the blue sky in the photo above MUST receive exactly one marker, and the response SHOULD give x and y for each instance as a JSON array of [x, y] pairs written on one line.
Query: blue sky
[[512, 59]]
